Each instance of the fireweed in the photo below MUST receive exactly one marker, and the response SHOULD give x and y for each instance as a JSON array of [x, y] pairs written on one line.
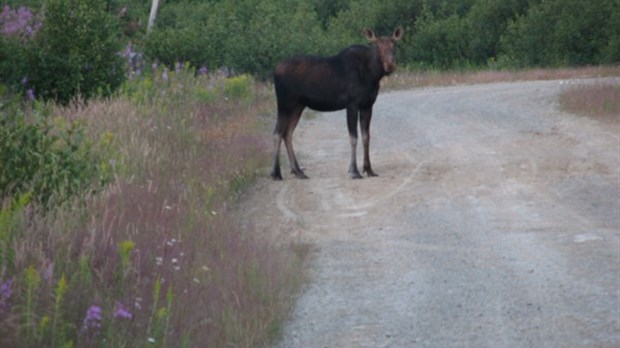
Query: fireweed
[[20, 22], [121, 312], [92, 320], [5, 294]]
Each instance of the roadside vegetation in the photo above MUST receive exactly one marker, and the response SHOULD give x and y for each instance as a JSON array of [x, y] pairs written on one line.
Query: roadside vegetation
[[122, 154], [600, 101], [409, 79], [115, 228]]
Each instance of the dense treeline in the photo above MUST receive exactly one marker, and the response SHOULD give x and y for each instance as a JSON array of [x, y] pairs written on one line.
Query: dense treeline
[[252, 35]]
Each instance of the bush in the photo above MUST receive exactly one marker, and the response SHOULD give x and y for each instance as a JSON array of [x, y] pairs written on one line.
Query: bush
[[76, 51], [441, 43], [17, 28], [244, 36], [486, 22], [49, 160], [560, 33]]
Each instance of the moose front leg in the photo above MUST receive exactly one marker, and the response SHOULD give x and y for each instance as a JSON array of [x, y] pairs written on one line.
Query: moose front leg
[[365, 116], [352, 115]]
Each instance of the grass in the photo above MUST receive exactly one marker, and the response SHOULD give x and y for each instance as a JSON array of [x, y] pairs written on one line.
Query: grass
[[600, 101], [156, 258], [410, 79]]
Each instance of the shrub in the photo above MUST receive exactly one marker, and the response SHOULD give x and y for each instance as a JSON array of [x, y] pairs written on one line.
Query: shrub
[[17, 29], [440, 43], [560, 33], [49, 159], [245, 36], [76, 51]]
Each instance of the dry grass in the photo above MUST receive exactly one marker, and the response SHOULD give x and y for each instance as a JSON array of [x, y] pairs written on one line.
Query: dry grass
[[403, 80], [599, 101]]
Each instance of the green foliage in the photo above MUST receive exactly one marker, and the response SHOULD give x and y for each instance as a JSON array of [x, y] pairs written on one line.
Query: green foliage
[[610, 53], [52, 160], [560, 33], [440, 42], [59, 295], [245, 36], [239, 87], [13, 62], [32, 281], [76, 51], [486, 22], [252, 36], [10, 226]]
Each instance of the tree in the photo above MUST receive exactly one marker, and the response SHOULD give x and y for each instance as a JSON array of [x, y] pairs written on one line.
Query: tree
[[560, 32], [76, 51]]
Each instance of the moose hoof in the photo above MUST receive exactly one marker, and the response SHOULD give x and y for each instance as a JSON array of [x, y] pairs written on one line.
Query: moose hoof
[[276, 176], [355, 175], [300, 174], [370, 173]]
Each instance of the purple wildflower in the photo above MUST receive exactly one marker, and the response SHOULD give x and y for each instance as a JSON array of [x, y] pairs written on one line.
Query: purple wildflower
[[178, 66], [92, 319], [128, 54], [48, 272], [20, 22], [154, 67], [30, 94], [5, 293], [24, 80], [224, 72], [164, 75], [122, 312], [203, 70]]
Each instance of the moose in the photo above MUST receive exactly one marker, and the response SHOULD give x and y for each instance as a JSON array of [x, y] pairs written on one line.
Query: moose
[[348, 80]]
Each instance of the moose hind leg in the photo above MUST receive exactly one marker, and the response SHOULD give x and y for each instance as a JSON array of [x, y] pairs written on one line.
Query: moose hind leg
[[276, 174], [288, 141], [278, 134]]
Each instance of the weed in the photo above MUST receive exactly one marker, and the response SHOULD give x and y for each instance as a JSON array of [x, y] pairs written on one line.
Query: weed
[[154, 257], [59, 294], [601, 100], [32, 281], [410, 79]]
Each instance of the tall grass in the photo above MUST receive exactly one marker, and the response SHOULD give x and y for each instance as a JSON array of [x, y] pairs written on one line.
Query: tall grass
[[600, 100], [409, 79], [155, 259]]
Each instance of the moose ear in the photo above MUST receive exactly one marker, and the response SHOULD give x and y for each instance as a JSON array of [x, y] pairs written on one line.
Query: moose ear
[[370, 35], [398, 34]]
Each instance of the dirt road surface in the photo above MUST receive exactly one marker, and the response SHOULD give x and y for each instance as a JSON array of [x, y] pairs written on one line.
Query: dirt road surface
[[495, 222]]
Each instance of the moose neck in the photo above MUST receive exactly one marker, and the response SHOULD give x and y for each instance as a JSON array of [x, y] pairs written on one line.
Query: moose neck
[[375, 64]]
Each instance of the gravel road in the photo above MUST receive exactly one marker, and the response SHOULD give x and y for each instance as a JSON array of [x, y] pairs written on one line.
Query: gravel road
[[495, 222]]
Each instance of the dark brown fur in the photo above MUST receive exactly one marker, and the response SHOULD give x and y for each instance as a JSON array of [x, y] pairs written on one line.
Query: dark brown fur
[[348, 80]]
